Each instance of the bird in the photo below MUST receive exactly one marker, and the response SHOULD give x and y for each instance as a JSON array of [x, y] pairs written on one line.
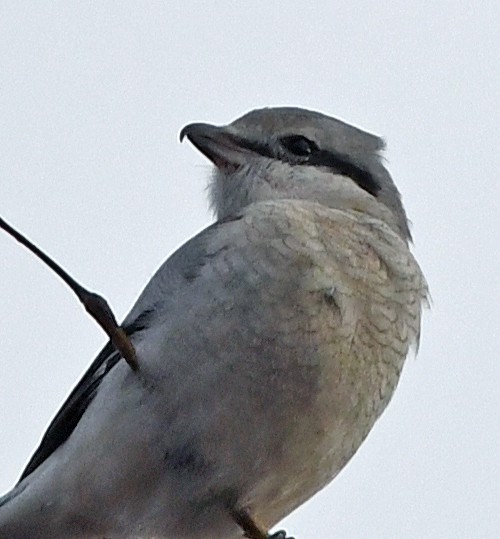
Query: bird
[[268, 345]]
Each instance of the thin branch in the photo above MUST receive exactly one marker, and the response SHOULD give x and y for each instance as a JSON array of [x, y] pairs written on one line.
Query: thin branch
[[94, 304]]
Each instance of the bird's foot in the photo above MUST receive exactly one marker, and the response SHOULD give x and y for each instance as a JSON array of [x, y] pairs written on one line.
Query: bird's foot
[[281, 534], [251, 530]]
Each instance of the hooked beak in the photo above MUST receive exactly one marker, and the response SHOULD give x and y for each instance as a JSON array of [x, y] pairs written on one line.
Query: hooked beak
[[226, 150]]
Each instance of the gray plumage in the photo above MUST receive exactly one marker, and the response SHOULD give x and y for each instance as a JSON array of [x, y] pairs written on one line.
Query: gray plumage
[[268, 346]]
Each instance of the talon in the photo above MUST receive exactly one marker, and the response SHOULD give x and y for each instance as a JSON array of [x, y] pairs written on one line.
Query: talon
[[281, 534]]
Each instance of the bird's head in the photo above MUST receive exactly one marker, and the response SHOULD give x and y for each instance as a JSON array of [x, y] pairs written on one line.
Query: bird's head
[[292, 153]]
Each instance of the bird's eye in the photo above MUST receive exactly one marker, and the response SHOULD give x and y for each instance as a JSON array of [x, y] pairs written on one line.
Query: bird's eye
[[299, 145]]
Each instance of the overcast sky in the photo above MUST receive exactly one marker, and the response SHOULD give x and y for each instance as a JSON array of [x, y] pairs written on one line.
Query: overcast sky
[[92, 98]]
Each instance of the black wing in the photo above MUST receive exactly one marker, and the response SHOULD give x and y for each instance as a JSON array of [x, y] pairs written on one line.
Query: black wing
[[74, 407]]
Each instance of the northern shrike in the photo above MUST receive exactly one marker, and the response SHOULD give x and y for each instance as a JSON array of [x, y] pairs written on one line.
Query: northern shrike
[[268, 345]]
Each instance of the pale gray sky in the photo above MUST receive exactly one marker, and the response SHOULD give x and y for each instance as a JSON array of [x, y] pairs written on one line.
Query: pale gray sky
[[92, 98]]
